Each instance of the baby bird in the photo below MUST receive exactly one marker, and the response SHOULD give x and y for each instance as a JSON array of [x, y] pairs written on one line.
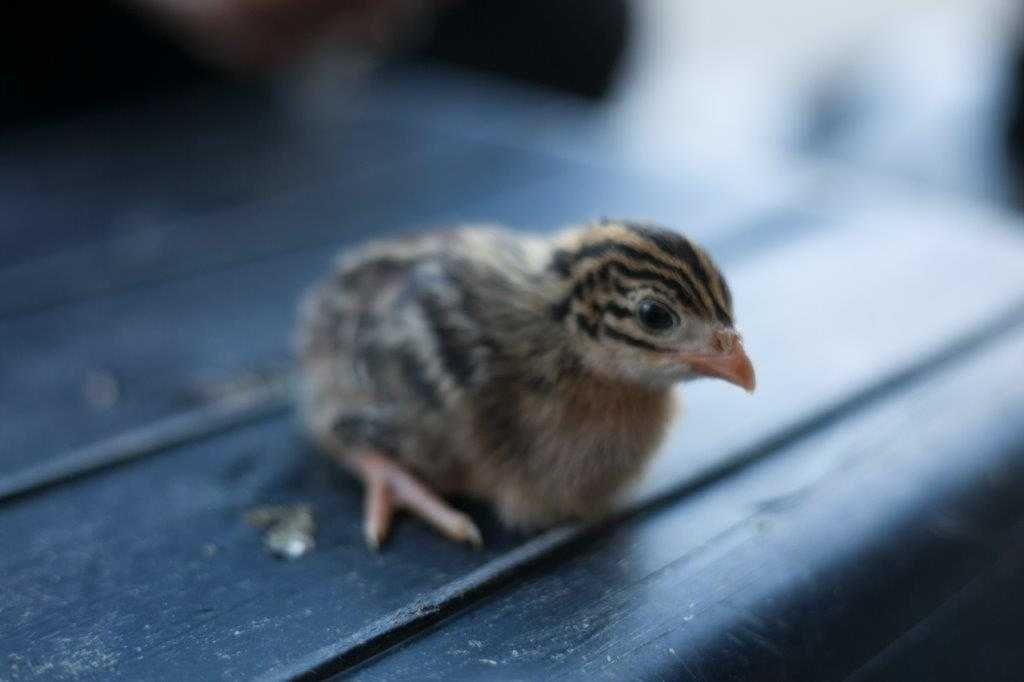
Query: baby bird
[[534, 373]]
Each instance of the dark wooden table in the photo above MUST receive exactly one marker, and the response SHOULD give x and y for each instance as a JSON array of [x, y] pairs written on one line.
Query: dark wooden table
[[862, 515]]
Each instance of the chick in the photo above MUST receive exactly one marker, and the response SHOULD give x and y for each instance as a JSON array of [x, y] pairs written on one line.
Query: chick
[[533, 373]]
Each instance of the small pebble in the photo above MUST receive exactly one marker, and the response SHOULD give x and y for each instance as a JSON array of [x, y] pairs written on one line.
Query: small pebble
[[288, 529]]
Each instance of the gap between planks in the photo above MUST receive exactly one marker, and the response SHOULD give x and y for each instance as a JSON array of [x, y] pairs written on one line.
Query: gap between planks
[[152, 439]]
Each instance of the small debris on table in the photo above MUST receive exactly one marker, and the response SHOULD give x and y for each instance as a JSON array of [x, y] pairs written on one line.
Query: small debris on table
[[288, 529]]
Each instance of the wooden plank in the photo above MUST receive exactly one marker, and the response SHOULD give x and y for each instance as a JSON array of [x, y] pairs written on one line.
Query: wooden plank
[[801, 567], [116, 174], [129, 172], [975, 634], [150, 351], [107, 576], [513, 183], [153, 438], [489, 108], [168, 157], [319, 213], [112, 363]]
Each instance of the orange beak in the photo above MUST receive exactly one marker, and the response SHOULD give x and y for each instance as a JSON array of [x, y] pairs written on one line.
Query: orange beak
[[732, 365]]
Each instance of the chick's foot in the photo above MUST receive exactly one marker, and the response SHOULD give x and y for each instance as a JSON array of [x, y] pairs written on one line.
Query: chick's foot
[[390, 487]]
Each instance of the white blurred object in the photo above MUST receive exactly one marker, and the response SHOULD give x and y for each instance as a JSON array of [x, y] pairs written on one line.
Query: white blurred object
[[926, 101], [732, 86]]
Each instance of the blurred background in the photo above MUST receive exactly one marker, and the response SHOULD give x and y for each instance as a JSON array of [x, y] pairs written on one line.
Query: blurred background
[[929, 90]]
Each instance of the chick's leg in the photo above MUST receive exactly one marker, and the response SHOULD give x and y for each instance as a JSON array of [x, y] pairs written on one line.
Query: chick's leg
[[390, 487]]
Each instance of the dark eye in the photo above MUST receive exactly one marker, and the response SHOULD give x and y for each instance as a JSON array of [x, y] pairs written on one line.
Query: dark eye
[[655, 316]]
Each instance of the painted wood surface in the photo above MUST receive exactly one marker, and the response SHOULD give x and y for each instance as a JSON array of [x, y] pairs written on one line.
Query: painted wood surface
[[799, 532]]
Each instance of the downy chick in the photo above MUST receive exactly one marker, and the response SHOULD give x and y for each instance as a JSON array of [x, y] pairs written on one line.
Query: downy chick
[[534, 373]]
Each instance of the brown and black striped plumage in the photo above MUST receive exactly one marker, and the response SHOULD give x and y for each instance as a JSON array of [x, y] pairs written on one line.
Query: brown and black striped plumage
[[530, 372]]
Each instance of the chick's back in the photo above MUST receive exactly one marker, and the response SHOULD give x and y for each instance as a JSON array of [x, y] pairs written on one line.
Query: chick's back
[[399, 336]]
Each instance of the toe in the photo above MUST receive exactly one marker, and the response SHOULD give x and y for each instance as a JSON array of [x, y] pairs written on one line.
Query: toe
[[378, 513], [470, 533]]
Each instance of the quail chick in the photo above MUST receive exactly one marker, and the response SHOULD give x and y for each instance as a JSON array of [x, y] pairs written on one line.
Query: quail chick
[[534, 373]]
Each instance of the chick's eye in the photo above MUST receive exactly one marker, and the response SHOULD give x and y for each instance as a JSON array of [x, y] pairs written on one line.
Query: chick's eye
[[655, 316]]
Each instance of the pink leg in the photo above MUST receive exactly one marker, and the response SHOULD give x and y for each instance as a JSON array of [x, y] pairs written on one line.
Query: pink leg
[[389, 487]]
